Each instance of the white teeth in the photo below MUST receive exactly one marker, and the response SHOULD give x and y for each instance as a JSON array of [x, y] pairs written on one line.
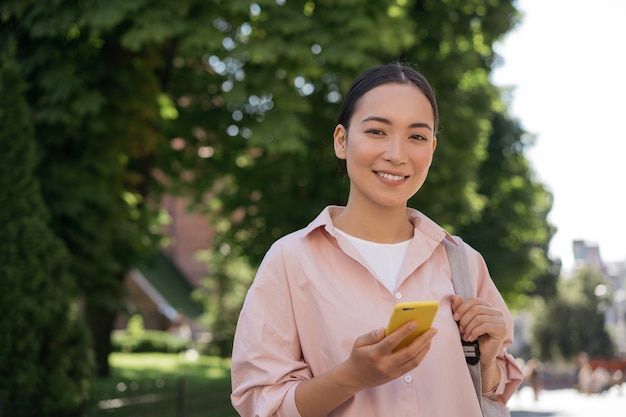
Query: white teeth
[[390, 177]]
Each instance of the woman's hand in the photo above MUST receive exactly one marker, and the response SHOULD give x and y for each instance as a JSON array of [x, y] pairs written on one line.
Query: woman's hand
[[372, 361], [479, 320]]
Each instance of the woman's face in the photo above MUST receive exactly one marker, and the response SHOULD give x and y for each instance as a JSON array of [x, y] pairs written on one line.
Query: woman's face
[[389, 146]]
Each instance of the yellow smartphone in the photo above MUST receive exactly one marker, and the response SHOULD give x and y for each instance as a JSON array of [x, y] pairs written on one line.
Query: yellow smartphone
[[423, 312]]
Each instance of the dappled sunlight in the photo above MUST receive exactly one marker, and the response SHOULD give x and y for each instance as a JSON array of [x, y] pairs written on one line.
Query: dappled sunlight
[[152, 365]]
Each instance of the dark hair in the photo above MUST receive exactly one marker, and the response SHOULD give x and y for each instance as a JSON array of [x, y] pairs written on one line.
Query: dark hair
[[384, 74]]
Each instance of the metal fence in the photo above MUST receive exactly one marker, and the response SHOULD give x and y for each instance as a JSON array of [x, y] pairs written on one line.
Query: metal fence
[[161, 398], [154, 398]]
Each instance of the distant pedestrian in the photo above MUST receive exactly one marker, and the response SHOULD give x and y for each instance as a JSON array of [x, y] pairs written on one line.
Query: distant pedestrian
[[585, 379], [601, 379], [533, 376]]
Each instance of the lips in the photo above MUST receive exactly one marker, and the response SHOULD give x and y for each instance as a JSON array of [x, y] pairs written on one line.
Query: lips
[[390, 177]]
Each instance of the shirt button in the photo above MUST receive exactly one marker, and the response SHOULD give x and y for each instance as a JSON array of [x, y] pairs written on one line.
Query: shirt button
[[408, 379], [398, 295]]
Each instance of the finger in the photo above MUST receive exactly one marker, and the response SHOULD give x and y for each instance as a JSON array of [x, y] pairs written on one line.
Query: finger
[[474, 312], [394, 338], [457, 300], [477, 316], [491, 326], [370, 338], [413, 354], [467, 306], [422, 342]]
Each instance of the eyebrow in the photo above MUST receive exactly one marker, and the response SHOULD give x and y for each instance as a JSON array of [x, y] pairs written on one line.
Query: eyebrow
[[388, 122]]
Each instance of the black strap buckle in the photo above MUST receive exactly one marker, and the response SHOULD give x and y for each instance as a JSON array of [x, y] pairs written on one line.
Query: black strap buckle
[[472, 352]]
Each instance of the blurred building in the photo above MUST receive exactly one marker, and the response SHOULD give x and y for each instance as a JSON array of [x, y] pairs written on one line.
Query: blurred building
[[160, 289], [588, 254]]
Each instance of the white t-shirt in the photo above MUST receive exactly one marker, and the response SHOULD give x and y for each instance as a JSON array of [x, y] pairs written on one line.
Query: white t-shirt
[[385, 259]]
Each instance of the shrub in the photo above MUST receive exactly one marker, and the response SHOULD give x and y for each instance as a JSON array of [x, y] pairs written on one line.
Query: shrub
[[45, 357], [137, 339]]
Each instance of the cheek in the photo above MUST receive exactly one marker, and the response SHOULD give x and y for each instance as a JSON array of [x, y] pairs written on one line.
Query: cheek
[[362, 152], [425, 159], [357, 162], [429, 160]]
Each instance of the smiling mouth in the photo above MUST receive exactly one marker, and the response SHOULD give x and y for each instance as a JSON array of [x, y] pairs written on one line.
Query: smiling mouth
[[390, 177]]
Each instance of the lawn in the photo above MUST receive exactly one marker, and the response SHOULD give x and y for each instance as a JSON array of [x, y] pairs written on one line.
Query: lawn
[[167, 385]]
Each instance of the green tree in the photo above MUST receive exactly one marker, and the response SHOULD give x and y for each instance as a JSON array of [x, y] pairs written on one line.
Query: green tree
[[234, 103], [474, 167], [222, 295], [96, 118], [289, 157], [573, 322], [44, 356], [512, 231], [455, 50]]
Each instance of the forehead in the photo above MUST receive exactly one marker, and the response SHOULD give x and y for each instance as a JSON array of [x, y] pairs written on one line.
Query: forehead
[[394, 99]]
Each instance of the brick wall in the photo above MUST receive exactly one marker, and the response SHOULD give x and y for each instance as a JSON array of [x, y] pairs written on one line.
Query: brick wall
[[189, 233]]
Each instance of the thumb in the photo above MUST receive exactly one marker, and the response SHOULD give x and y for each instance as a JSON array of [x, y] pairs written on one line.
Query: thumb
[[370, 338], [457, 300]]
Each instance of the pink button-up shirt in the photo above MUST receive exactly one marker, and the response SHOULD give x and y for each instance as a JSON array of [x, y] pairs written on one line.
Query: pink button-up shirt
[[313, 295]]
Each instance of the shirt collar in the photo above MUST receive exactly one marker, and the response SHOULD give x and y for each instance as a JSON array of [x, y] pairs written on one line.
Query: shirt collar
[[424, 226]]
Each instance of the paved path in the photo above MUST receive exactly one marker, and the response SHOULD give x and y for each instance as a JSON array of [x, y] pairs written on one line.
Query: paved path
[[569, 403]]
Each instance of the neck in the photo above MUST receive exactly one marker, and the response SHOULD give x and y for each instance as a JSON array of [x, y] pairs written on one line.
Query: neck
[[381, 225]]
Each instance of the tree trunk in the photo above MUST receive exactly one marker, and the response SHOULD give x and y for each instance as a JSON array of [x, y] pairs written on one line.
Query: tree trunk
[[100, 322]]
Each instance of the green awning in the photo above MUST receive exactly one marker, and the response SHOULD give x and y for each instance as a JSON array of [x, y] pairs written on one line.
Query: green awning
[[170, 283]]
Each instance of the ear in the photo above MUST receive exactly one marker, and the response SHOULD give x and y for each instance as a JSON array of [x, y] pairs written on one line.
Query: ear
[[340, 136], [432, 154]]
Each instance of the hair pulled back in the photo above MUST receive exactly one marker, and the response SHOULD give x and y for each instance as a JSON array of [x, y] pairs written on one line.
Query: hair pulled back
[[384, 74]]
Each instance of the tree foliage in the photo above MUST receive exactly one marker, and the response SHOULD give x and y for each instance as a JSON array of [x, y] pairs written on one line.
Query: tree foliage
[[516, 251], [96, 119], [44, 354], [234, 103], [222, 295], [573, 322]]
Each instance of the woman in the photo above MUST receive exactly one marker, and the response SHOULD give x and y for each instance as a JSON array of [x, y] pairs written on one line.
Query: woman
[[310, 340]]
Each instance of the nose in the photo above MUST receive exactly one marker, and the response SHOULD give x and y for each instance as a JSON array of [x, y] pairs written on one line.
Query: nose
[[395, 151]]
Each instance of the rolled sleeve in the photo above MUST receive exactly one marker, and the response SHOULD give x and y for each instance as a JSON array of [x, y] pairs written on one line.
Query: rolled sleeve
[[289, 408], [510, 379]]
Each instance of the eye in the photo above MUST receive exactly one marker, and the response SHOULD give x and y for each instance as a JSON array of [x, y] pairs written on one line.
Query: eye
[[374, 132], [418, 137]]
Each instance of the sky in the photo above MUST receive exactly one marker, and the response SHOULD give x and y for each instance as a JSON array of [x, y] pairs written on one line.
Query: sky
[[566, 63]]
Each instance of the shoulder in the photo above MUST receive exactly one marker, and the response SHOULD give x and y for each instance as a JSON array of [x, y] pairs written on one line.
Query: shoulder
[[300, 242]]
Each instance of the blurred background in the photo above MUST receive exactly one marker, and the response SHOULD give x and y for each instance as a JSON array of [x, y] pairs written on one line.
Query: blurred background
[[152, 150]]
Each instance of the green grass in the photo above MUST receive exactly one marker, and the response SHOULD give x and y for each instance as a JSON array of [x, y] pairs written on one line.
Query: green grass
[[207, 381], [204, 370]]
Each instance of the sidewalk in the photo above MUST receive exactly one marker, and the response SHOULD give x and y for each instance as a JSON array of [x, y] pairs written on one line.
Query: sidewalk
[[569, 403]]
